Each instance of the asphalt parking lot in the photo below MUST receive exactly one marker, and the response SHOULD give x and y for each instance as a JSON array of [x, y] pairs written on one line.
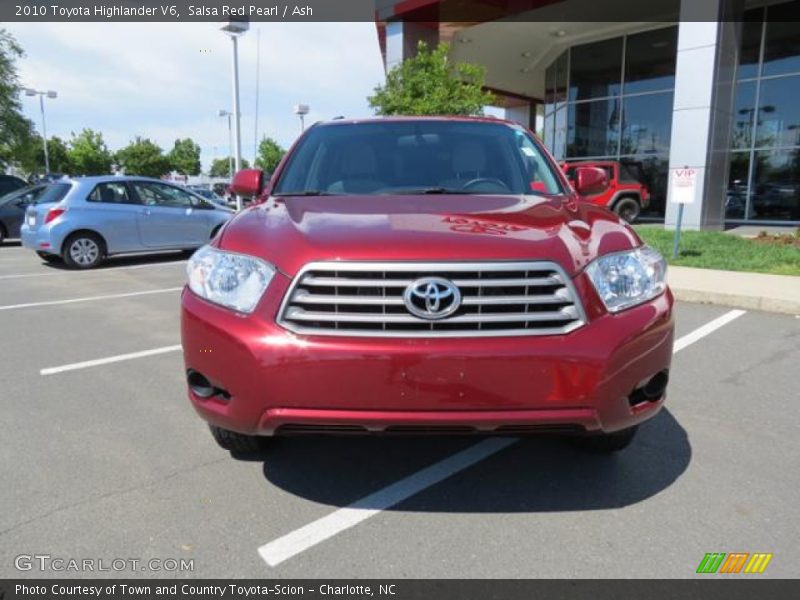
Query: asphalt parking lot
[[105, 459]]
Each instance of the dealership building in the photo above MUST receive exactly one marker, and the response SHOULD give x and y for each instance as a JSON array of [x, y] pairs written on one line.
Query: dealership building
[[712, 85]]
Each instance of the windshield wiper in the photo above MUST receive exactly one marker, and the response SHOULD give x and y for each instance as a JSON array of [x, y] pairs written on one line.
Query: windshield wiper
[[308, 193], [430, 190]]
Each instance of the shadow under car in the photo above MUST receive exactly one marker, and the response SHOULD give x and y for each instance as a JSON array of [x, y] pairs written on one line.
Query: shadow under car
[[535, 474]]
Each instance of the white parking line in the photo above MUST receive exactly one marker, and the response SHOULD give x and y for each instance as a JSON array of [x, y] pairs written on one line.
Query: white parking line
[[299, 540], [111, 359], [93, 271], [90, 298], [710, 327], [318, 531]]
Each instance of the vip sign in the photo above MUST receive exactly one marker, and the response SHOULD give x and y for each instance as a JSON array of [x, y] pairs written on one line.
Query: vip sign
[[683, 185]]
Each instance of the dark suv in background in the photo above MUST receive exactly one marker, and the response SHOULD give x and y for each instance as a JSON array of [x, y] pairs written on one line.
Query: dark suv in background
[[14, 204], [9, 183]]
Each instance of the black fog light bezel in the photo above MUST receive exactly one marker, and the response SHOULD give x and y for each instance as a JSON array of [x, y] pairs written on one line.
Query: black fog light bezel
[[203, 388]]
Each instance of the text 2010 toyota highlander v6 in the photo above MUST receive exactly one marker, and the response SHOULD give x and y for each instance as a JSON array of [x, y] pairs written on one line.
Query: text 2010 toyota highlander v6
[[425, 275]]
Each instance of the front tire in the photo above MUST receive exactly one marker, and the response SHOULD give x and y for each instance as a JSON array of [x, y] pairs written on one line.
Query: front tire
[[237, 442], [628, 209], [83, 251], [606, 443]]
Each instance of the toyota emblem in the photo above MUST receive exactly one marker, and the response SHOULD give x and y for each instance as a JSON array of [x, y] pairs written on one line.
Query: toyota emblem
[[432, 298]]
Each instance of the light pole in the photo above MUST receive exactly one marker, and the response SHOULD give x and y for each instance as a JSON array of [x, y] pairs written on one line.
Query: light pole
[[235, 28], [301, 110], [42, 94], [224, 113], [258, 78]]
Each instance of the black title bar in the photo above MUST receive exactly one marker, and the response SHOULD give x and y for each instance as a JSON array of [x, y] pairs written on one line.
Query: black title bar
[[425, 11], [704, 587]]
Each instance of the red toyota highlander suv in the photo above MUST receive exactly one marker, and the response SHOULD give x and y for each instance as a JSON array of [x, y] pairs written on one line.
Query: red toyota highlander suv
[[413, 275]]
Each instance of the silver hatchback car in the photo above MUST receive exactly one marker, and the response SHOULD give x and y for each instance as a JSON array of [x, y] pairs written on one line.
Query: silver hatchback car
[[101, 216]]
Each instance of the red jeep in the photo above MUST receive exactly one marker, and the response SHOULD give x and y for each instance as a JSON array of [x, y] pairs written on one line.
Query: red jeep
[[626, 195]]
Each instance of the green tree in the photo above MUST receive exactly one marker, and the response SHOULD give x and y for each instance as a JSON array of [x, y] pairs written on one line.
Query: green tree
[[31, 159], [143, 157], [270, 154], [58, 155], [15, 130], [88, 154], [220, 168], [429, 84], [185, 157]]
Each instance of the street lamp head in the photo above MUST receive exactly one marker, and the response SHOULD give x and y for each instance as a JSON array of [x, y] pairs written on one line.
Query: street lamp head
[[301, 109], [222, 113], [235, 26], [30, 92], [52, 94]]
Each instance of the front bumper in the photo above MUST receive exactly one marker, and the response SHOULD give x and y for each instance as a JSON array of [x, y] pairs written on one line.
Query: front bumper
[[275, 381]]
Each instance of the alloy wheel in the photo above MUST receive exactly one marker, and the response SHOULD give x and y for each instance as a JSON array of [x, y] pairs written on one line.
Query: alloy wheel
[[84, 251]]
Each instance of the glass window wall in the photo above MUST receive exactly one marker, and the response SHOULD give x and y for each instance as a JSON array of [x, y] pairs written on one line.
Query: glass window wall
[[764, 177]]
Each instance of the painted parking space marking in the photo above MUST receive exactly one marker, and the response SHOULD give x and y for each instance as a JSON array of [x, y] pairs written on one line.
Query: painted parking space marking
[[109, 360], [304, 538], [680, 344], [90, 298], [710, 327], [320, 530], [90, 272]]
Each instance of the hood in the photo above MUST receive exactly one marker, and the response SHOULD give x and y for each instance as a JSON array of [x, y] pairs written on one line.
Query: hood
[[292, 231]]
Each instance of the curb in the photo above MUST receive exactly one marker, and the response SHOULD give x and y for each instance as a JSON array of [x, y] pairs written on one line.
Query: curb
[[738, 289], [775, 305]]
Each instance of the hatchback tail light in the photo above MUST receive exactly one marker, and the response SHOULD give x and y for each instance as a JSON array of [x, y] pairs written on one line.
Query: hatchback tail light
[[53, 214]]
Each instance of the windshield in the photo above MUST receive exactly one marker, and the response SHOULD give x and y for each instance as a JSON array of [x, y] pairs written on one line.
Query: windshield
[[418, 157], [207, 194], [31, 191]]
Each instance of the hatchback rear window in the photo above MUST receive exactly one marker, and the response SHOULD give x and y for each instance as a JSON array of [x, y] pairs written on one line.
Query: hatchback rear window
[[54, 192], [411, 157]]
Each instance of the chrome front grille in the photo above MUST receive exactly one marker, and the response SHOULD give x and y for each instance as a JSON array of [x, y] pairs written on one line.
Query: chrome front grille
[[366, 299]]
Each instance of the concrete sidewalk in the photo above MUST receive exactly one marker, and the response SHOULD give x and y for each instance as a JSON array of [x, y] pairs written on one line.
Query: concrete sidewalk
[[755, 291]]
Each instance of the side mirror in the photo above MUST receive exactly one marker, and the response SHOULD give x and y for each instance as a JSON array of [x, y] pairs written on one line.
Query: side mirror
[[248, 182], [590, 180]]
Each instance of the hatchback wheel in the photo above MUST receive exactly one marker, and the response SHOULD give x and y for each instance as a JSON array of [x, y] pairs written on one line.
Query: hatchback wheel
[[607, 442], [237, 442], [83, 251], [628, 209]]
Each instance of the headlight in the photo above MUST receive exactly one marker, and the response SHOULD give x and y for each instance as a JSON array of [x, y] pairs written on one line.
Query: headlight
[[233, 280], [625, 279]]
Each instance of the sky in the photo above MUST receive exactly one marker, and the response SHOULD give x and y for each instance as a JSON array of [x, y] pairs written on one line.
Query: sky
[[168, 80]]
